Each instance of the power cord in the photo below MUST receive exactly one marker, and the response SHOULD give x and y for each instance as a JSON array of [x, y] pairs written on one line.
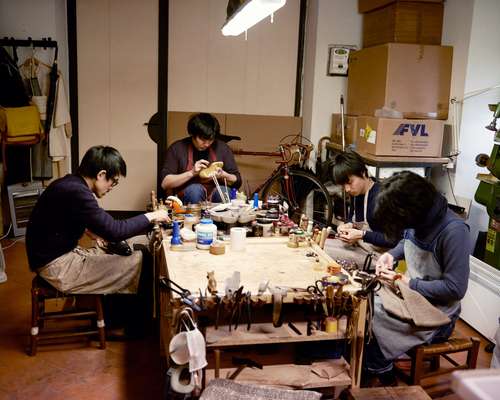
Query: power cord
[[7, 234], [13, 243]]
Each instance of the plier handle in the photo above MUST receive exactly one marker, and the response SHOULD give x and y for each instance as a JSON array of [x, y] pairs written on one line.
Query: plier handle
[[185, 294]]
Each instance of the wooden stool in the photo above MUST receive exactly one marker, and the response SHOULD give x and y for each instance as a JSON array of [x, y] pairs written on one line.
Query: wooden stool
[[433, 352], [399, 392], [41, 291]]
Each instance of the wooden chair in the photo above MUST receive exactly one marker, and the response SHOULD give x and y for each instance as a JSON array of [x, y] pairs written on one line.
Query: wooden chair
[[42, 291], [433, 352]]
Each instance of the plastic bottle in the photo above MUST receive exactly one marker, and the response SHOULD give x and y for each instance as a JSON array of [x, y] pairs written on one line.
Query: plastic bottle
[[176, 236], [255, 200], [206, 233]]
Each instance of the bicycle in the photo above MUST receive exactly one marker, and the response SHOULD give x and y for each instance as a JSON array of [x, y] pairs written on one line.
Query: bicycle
[[294, 183]]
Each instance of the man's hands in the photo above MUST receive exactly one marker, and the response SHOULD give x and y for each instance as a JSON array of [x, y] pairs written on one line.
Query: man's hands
[[384, 269], [198, 166], [158, 216], [350, 235]]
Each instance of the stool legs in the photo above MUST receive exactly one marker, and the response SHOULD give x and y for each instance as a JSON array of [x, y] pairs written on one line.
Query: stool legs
[[39, 315], [34, 322], [100, 322], [417, 366], [472, 353]]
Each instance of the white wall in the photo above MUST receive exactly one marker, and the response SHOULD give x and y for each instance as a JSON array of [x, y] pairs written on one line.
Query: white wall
[[483, 63], [458, 36], [37, 18], [330, 22], [214, 73]]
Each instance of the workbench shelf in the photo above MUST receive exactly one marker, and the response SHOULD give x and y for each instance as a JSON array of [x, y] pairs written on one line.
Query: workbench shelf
[[264, 333], [335, 373]]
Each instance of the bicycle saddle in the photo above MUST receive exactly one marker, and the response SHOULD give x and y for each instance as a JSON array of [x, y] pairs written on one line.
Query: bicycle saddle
[[121, 248]]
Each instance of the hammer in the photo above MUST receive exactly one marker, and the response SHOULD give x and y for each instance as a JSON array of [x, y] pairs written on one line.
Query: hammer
[[242, 363]]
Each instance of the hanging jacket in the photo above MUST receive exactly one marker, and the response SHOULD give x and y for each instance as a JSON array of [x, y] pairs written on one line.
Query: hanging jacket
[[13, 93]]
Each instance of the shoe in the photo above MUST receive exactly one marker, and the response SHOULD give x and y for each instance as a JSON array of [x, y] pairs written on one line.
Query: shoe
[[388, 378]]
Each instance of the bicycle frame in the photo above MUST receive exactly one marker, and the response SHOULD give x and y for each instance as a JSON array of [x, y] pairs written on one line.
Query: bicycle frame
[[282, 168]]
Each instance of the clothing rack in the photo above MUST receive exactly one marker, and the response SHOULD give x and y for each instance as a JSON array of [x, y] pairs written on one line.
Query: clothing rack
[[43, 43]]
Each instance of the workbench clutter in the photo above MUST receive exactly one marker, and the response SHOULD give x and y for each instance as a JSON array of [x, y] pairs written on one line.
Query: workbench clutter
[[269, 293]]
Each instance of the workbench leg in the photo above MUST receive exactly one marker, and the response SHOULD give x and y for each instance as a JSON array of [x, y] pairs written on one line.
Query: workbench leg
[[217, 363], [357, 344]]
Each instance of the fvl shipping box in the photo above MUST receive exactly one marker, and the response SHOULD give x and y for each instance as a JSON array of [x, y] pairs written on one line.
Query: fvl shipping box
[[411, 80], [350, 129], [400, 137]]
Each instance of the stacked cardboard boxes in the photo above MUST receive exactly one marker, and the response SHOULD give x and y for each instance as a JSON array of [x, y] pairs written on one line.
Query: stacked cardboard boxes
[[399, 94]]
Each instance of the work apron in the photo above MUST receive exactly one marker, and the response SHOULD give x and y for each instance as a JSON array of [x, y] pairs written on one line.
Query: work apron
[[338, 249], [93, 271], [207, 184], [394, 336]]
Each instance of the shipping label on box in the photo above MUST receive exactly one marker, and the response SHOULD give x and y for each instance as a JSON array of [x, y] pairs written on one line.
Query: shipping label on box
[[400, 137]]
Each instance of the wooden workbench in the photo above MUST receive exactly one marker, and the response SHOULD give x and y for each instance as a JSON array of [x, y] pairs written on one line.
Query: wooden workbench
[[264, 259]]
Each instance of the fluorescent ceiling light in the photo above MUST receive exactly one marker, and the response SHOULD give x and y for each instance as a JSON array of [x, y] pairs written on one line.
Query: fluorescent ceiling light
[[248, 14]]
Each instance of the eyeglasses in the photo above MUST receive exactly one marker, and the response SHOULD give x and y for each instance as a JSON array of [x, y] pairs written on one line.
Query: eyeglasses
[[115, 181]]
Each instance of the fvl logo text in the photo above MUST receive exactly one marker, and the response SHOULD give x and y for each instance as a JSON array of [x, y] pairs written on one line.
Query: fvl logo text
[[414, 129]]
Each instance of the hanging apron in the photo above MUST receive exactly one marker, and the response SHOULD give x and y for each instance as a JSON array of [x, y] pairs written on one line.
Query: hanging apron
[[337, 249], [395, 337], [208, 185]]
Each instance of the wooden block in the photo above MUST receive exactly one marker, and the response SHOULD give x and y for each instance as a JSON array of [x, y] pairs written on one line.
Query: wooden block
[[394, 393]]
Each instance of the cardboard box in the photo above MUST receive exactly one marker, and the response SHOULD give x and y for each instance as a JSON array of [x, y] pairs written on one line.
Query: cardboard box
[[404, 22], [400, 137], [370, 5], [350, 128], [408, 80]]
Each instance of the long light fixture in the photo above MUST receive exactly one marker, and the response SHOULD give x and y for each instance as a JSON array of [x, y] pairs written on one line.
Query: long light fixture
[[248, 14]]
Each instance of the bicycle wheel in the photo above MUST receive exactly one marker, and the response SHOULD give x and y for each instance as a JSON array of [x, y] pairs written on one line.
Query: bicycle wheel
[[305, 195]]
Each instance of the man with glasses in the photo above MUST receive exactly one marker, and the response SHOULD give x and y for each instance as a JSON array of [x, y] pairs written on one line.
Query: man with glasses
[[68, 208]]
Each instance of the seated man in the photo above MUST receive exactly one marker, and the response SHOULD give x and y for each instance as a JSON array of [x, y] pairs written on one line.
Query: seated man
[[65, 210], [187, 157], [436, 248], [350, 171]]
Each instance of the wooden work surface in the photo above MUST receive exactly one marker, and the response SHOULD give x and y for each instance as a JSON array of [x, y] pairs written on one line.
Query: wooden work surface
[[264, 259]]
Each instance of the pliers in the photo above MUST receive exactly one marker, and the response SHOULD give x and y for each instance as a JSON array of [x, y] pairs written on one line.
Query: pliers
[[185, 294], [236, 308]]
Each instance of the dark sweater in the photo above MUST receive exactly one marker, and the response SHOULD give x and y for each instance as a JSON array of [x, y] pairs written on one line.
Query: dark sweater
[[375, 236], [176, 159], [64, 210], [451, 250]]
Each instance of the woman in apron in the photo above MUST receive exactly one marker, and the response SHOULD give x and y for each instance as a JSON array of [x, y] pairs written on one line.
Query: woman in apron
[[360, 236], [436, 247]]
